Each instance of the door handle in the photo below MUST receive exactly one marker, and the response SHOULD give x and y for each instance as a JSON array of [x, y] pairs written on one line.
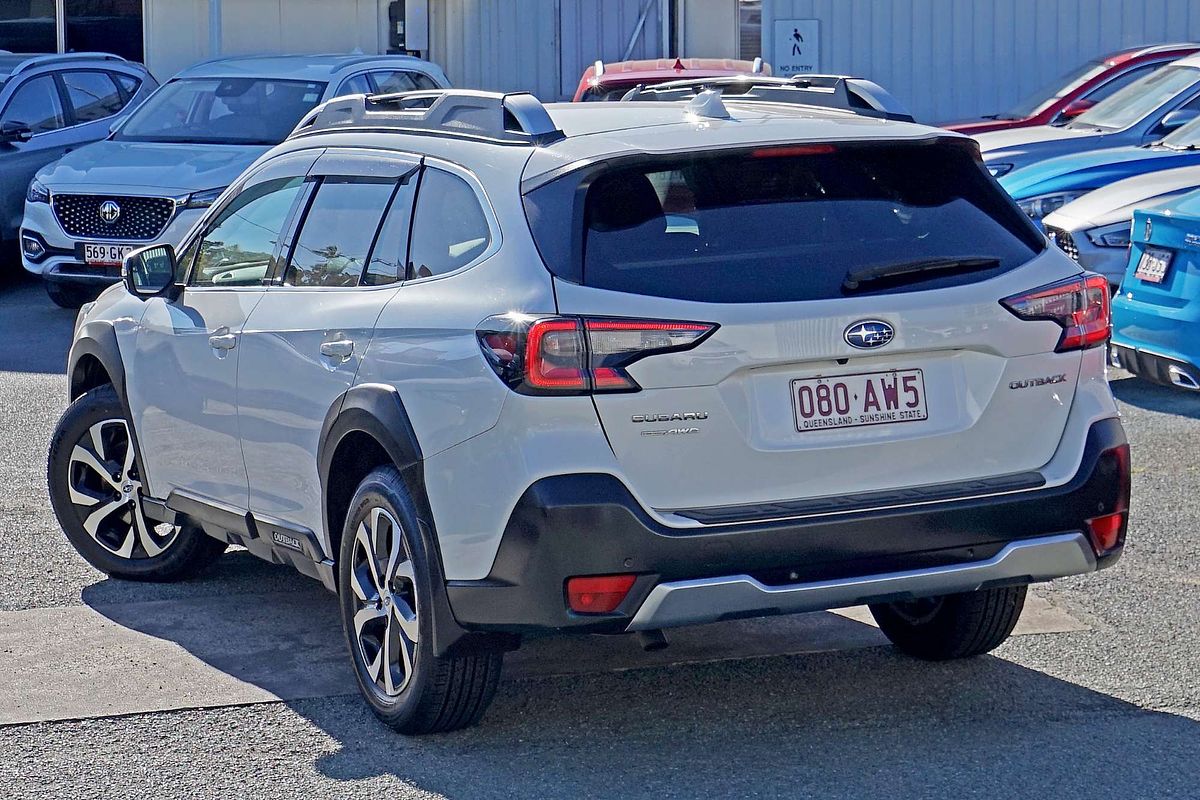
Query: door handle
[[341, 349], [223, 341]]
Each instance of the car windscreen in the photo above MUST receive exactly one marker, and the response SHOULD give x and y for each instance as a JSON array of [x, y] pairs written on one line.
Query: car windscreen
[[781, 223], [1138, 99], [251, 111], [1036, 102]]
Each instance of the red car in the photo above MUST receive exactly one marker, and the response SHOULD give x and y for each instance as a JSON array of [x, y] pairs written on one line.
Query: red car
[[611, 81], [1080, 89]]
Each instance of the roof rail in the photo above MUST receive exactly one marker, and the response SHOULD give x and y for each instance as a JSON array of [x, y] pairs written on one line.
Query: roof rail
[[517, 118], [842, 92], [56, 58]]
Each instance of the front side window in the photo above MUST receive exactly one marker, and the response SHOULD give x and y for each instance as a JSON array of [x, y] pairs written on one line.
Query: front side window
[[1138, 99], [450, 229], [93, 95], [222, 111], [336, 236], [36, 105], [238, 247]]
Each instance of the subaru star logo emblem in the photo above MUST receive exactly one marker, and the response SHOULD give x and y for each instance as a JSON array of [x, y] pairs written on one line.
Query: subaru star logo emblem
[[868, 334], [109, 211], [1149, 230]]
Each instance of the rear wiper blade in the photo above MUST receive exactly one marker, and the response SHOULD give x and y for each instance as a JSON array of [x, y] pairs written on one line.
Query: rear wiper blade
[[856, 278]]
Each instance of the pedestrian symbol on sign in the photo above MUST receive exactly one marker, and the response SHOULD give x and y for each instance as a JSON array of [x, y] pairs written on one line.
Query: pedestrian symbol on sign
[[796, 47]]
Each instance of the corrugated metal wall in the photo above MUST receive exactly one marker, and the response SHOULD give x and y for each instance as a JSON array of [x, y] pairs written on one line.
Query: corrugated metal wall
[[955, 58], [541, 46]]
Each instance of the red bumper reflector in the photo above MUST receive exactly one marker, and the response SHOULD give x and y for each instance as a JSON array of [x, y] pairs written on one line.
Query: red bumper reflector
[[1107, 531], [598, 594]]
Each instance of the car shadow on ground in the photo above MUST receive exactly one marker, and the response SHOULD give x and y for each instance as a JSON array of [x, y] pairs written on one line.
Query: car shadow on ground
[[37, 333], [1153, 397], [597, 717]]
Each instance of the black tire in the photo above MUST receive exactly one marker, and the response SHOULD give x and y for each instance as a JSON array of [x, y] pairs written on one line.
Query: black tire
[[424, 692], [69, 296], [119, 542], [953, 626]]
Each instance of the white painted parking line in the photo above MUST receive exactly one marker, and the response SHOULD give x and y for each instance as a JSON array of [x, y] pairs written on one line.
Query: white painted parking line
[[84, 662]]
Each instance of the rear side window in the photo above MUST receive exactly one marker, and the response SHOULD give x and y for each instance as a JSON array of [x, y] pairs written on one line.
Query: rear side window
[[93, 95], [332, 247], [402, 81], [779, 223], [129, 83], [449, 228]]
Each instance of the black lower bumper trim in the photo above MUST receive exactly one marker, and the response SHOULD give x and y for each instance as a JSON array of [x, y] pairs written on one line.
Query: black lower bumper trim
[[590, 524]]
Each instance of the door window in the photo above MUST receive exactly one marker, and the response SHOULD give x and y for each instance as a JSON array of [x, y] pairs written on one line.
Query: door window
[[450, 229], [36, 104], [238, 247], [357, 84], [392, 81], [336, 236], [390, 252], [93, 94]]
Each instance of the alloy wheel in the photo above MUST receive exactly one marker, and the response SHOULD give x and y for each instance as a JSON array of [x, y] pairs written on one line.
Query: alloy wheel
[[919, 611], [385, 616], [105, 488]]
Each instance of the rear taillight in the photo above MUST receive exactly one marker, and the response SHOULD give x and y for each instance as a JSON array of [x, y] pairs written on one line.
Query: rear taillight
[[1080, 305], [573, 355]]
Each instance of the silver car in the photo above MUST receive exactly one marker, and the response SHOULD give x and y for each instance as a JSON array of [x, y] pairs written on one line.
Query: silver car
[[1094, 230]]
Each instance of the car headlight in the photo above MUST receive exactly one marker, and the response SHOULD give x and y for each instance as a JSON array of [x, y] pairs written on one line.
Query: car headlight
[[203, 199], [999, 170], [1040, 206], [37, 192], [1116, 235]]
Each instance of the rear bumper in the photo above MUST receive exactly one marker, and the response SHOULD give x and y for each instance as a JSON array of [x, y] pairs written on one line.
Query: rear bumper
[[1166, 368], [572, 525], [711, 599]]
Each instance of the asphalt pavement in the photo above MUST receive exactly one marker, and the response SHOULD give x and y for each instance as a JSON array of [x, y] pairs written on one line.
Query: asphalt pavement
[[235, 684]]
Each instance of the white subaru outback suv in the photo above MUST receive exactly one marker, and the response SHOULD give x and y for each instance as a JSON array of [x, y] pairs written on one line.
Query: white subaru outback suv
[[491, 369]]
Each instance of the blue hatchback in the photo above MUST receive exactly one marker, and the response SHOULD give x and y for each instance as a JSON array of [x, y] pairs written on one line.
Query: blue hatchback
[[1046, 186], [1156, 313]]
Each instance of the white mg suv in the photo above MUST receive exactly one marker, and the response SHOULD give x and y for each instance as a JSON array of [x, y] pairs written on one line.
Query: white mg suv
[[490, 369]]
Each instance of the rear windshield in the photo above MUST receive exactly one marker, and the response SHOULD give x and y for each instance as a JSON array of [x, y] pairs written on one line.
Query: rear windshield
[[780, 223]]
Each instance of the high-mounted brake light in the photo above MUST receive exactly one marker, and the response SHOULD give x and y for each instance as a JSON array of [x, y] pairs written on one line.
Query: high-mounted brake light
[[787, 151], [573, 355], [1080, 305]]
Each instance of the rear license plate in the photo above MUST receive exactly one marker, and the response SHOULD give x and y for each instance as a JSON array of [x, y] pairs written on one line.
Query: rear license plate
[[1153, 265], [98, 254], [851, 401]]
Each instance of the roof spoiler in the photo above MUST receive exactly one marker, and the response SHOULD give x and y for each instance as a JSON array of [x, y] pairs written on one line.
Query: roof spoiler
[[517, 118], [842, 92]]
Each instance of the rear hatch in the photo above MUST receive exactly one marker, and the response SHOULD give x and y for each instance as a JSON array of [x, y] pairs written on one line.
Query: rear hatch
[[813, 385]]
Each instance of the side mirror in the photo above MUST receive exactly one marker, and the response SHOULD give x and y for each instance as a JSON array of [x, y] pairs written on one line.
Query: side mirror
[[14, 131], [1176, 119], [1076, 107], [150, 272]]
